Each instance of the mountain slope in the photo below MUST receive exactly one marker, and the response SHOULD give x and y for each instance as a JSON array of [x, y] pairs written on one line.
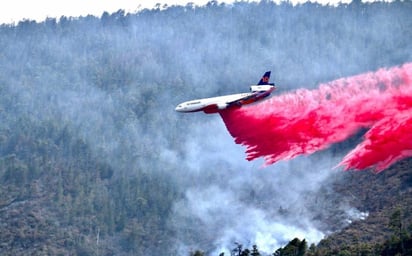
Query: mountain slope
[[94, 160], [381, 196]]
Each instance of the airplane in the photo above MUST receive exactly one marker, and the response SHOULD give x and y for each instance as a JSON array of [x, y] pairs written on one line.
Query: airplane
[[213, 105]]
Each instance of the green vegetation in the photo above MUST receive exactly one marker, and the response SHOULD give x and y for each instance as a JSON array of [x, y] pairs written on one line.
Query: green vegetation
[[293, 248], [60, 196], [93, 160], [297, 247]]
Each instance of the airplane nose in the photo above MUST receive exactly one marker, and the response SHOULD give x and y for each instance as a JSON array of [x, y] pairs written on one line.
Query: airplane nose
[[178, 108]]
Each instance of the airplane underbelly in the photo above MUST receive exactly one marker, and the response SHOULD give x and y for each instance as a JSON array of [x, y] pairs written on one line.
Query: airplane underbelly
[[211, 109]]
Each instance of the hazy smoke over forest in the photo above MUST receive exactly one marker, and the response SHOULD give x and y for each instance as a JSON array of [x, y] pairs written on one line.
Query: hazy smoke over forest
[[114, 82]]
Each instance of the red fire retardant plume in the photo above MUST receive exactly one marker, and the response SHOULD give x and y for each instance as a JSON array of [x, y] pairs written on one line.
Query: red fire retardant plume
[[305, 121]]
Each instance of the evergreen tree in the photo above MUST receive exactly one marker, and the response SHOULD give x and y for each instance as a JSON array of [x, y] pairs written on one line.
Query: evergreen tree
[[294, 248], [255, 251], [197, 253], [245, 252], [237, 251], [302, 248], [395, 223]]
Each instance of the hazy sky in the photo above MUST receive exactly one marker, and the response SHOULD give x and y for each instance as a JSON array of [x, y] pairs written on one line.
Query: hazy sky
[[16, 10], [13, 11]]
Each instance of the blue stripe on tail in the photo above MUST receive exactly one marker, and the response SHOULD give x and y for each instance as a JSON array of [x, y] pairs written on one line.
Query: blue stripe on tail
[[265, 79]]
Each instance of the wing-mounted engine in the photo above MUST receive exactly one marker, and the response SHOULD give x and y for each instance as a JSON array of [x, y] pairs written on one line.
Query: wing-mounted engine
[[260, 88], [214, 108], [221, 106]]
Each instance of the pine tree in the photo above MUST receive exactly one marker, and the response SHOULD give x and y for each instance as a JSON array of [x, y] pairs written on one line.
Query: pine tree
[[302, 247], [197, 253], [255, 251], [294, 248]]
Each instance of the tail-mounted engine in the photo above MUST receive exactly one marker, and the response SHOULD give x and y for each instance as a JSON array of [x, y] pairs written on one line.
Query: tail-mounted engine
[[260, 88]]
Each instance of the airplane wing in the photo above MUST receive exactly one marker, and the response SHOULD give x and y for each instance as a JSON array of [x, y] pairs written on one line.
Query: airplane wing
[[243, 101], [256, 96], [260, 91]]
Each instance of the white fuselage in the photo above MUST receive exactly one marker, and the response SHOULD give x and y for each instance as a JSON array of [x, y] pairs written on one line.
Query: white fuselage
[[215, 104], [201, 104]]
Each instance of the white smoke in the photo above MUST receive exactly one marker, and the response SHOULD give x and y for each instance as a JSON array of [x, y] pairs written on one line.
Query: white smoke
[[179, 54], [229, 200]]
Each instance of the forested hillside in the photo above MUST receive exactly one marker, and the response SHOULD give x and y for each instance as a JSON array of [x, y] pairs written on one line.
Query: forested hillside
[[95, 161]]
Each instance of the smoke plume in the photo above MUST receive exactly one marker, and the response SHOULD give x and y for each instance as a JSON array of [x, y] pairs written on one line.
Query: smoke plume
[[110, 85], [306, 121]]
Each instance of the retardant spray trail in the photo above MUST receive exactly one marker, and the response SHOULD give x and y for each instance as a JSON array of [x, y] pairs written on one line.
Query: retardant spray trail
[[305, 121]]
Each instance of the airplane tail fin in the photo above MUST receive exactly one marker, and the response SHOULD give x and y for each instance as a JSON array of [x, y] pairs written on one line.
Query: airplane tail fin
[[265, 79]]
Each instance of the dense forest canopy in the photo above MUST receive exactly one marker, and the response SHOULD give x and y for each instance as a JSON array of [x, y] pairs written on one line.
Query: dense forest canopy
[[94, 160]]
